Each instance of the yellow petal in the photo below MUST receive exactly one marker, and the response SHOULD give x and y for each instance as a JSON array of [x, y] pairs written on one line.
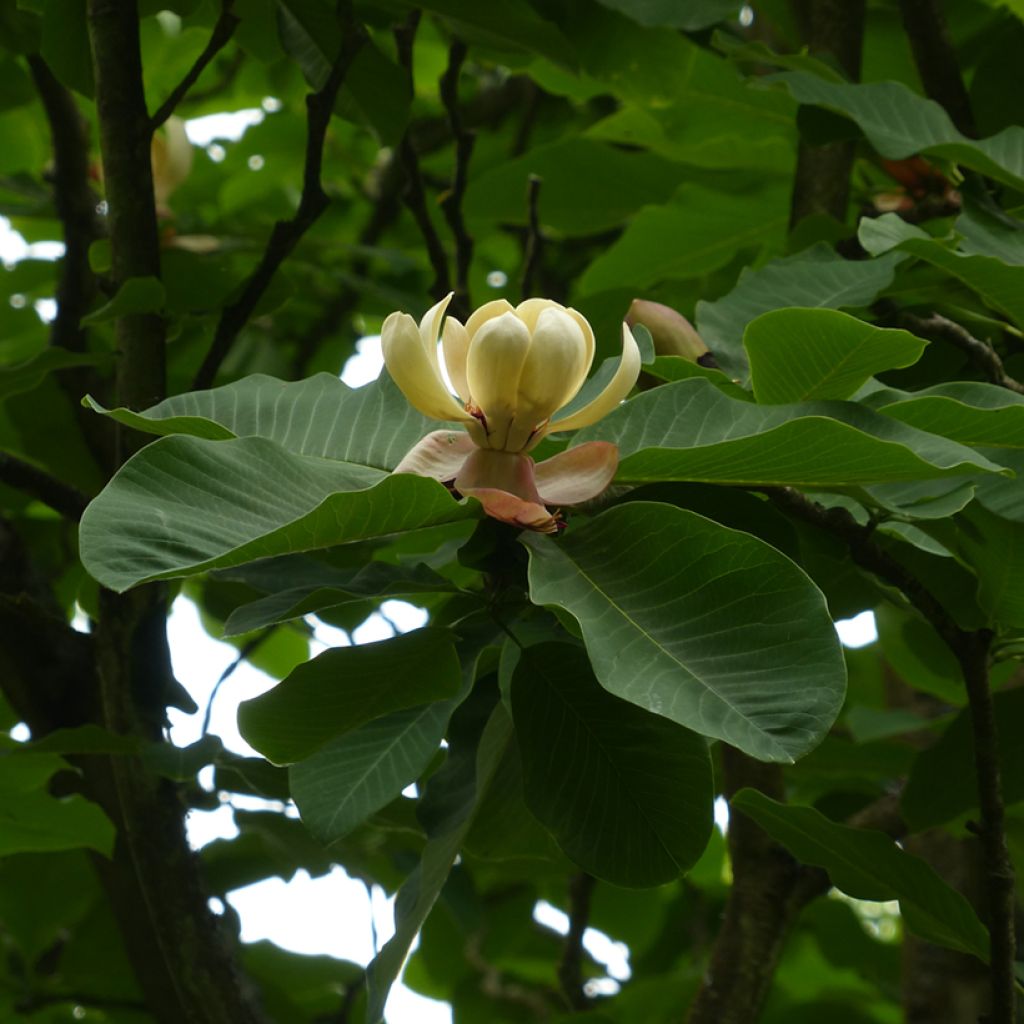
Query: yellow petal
[[494, 363], [455, 339], [529, 310], [555, 368], [488, 311], [618, 387], [430, 328], [413, 371]]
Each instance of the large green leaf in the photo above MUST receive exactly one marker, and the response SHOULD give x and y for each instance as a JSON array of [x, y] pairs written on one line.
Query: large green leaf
[[984, 234], [692, 431], [999, 284], [816, 277], [993, 547], [372, 425], [697, 232], [355, 775], [691, 16], [899, 123], [704, 625], [32, 820], [346, 687], [452, 798], [943, 782], [627, 794], [964, 411], [868, 865], [801, 354], [185, 504]]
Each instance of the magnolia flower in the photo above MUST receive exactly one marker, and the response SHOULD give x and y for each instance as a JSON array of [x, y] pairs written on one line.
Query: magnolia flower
[[171, 157], [513, 368], [671, 332]]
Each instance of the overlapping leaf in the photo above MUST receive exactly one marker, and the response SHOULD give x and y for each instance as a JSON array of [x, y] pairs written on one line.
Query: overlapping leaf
[[346, 687], [185, 504], [798, 355], [899, 123], [704, 625], [868, 865], [690, 430], [627, 793]]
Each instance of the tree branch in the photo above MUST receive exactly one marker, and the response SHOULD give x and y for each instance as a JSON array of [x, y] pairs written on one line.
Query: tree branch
[[980, 353], [821, 185], [570, 969], [935, 57], [287, 233], [971, 649], [223, 30], [61, 497], [534, 244], [415, 193], [451, 204]]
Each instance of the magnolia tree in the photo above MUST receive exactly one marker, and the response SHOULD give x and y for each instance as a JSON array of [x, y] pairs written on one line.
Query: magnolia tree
[[702, 328]]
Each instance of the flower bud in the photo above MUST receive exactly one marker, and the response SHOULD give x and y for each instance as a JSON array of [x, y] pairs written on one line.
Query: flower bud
[[672, 333]]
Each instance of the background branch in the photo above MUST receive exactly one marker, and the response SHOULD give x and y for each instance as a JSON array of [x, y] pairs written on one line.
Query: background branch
[[982, 355], [534, 244], [61, 497], [570, 968], [287, 233], [415, 193], [223, 30], [451, 204]]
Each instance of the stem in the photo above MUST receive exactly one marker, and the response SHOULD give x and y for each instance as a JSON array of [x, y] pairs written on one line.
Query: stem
[[534, 239], [570, 969], [287, 233], [61, 497]]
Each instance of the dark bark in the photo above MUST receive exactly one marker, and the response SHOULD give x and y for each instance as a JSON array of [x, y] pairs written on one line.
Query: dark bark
[[833, 28], [570, 969], [935, 57]]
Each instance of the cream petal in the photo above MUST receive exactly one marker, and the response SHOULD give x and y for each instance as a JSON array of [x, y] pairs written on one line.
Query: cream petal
[[455, 341], [618, 387], [588, 336], [430, 328], [488, 311], [440, 455], [529, 310], [577, 474], [495, 360], [413, 371]]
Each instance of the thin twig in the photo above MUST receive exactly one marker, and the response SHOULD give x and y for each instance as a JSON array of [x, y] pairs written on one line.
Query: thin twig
[[534, 239], [415, 193], [61, 497], [287, 233], [451, 204], [570, 968], [980, 353], [244, 653], [223, 30]]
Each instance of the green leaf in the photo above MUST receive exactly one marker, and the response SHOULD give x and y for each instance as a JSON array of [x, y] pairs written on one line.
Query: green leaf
[[698, 623], [136, 295], [452, 798], [690, 17], [984, 234], [692, 431], [65, 44], [28, 375], [814, 278], [627, 793], [798, 355], [899, 123], [968, 412], [868, 865], [993, 547], [943, 782], [332, 587], [715, 227], [355, 775], [1001, 286], [31, 820], [183, 505], [588, 186], [373, 425], [346, 687]]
